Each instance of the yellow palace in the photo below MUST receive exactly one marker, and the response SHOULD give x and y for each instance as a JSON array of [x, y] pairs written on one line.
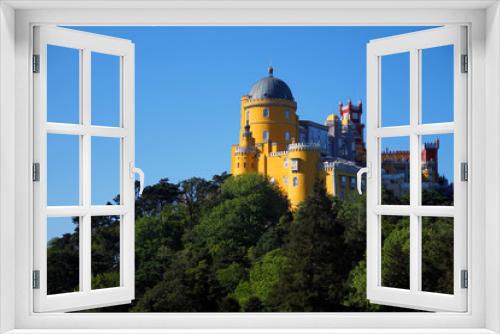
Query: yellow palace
[[276, 143]]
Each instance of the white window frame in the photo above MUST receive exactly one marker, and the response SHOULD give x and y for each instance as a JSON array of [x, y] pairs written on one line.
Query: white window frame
[[86, 43], [16, 20], [414, 43], [295, 165]]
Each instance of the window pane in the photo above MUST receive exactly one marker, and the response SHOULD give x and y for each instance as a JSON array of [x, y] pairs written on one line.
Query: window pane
[[63, 170], [437, 169], [63, 255], [395, 170], [63, 85], [105, 170], [437, 254], [396, 252], [105, 252], [395, 91], [105, 90], [437, 84]]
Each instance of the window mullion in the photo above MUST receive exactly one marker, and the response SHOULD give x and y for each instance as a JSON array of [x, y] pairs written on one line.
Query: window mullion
[[85, 167], [415, 247]]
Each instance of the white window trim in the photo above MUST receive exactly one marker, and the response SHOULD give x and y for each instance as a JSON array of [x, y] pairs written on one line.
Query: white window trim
[[16, 126]]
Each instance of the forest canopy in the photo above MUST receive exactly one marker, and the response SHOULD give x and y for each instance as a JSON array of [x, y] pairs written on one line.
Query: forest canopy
[[233, 244]]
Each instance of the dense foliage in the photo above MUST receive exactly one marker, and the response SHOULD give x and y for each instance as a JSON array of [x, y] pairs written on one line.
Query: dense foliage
[[233, 244]]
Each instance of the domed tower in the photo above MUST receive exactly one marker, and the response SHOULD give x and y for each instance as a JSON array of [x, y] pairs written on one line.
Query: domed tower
[[270, 110]]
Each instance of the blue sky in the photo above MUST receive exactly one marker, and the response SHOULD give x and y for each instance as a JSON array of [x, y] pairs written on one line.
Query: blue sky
[[189, 81]]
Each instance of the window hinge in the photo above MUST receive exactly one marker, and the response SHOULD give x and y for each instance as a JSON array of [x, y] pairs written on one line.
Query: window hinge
[[465, 279], [464, 171], [36, 63], [36, 172], [465, 64], [36, 279]]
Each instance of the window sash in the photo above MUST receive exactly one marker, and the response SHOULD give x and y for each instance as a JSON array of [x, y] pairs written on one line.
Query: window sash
[[414, 298], [86, 297]]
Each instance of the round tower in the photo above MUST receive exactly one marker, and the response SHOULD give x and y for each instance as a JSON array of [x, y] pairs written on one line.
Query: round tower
[[245, 153], [271, 111], [304, 160]]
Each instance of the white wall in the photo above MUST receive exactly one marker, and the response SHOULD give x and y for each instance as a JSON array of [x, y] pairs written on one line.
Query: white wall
[[7, 159]]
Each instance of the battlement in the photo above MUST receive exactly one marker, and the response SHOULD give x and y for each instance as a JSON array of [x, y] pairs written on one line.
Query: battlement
[[304, 147], [242, 150], [340, 164], [430, 146], [279, 153], [387, 152]]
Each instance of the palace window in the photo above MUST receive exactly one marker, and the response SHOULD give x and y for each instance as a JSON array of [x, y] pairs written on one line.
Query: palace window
[[287, 114], [353, 182], [343, 181], [295, 182], [285, 163], [265, 113], [295, 165], [287, 135], [285, 180], [265, 135]]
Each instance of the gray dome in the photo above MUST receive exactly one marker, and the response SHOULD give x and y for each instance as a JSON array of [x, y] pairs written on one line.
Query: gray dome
[[270, 88]]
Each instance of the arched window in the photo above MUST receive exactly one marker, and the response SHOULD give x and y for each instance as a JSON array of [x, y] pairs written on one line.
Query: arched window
[[265, 113], [285, 163], [285, 180], [295, 182], [287, 114]]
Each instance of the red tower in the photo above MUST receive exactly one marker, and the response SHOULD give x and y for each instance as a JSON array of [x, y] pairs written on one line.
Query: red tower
[[430, 161], [351, 114]]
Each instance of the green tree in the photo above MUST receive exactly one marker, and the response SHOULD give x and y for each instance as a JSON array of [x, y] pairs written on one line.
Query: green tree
[[63, 260], [253, 305], [263, 276], [314, 280], [249, 205], [154, 197], [229, 304]]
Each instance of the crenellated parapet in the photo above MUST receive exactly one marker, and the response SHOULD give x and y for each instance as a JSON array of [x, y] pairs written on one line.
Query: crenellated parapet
[[279, 153], [245, 150], [304, 147]]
